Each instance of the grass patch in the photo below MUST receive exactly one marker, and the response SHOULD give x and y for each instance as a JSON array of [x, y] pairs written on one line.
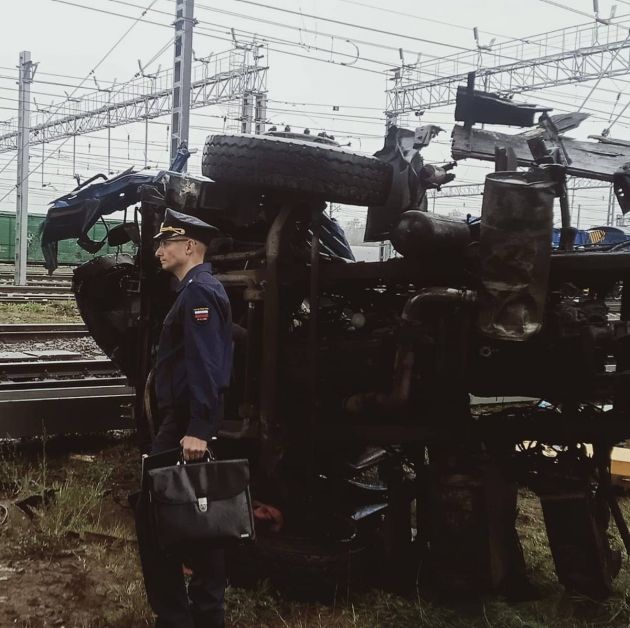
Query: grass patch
[[74, 509], [61, 507], [379, 609], [76, 553], [103, 578], [124, 588], [52, 312]]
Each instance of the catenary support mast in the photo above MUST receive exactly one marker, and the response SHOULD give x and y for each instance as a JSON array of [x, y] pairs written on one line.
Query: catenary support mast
[[27, 72], [182, 66]]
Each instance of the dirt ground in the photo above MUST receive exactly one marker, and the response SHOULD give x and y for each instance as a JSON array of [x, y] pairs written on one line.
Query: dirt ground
[[69, 559]]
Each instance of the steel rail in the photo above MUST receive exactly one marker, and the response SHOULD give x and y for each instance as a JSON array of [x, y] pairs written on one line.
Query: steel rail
[[19, 371], [18, 331], [48, 384], [6, 286], [76, 409], [43, 277], [10, 290], [36, 298], [37, 283]]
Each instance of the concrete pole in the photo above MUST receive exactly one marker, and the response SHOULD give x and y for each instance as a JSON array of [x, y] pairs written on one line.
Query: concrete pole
[[146, 133], [610, 215], [261, 113], [27, 72], [109, 142], [247, 112], [182, 66]]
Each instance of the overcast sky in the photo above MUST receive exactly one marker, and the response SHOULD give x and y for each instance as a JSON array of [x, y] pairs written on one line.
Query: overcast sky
[[306, 78]]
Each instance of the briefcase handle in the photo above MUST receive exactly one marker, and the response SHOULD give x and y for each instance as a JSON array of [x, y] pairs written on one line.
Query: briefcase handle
[[207, 457]]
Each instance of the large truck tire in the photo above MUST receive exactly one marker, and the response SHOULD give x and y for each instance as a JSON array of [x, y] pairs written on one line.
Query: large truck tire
[[328, 172]]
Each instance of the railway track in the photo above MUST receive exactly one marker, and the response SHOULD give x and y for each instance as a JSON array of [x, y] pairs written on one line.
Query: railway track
[[42, 277], [63, 396], [41, 331], [28, 290], [40, 372], [71, 409], [43, 280], [7, 286], [8, 268], [35, 294], [34, 299]]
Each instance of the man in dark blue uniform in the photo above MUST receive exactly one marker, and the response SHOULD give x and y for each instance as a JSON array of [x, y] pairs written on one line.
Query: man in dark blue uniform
[[192, 370]]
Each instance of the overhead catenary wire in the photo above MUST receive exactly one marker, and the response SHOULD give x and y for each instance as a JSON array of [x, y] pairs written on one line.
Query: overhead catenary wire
[[120, 87], [301, 14], [340, 117], [568, 8], [351, 25], [90, 73], [602, 74], [274, 23], [503, 55], [344, 106], [611, 124], [108, 53], [428, 19], [71, 76], [319, 116], [200, 30], [317, 17], [285, 42], [280, 42], [215, 37], [205, 129], [544, 39], [396, 48]]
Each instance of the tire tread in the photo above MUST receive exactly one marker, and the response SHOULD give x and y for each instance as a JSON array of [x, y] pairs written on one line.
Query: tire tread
[[332, 173]]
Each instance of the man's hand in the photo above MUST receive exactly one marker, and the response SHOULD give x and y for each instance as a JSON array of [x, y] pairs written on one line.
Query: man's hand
[[194, 448]]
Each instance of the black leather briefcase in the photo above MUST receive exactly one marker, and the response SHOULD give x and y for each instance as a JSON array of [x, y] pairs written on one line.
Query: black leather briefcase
[[205, 502]]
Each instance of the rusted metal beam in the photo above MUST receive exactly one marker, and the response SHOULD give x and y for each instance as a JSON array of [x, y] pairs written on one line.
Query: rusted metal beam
[[594, 160]]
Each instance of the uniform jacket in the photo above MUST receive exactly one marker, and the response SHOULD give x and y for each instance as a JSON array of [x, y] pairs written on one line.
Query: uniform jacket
[[194, 358]]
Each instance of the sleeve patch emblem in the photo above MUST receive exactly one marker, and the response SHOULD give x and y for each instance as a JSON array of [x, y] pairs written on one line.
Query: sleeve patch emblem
[[201, 314]]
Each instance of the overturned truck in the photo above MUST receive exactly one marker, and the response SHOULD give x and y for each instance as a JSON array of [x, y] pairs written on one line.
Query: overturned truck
[[352, 382]]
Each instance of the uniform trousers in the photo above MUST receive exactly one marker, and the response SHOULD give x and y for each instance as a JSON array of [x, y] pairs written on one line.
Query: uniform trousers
[[201, 605]]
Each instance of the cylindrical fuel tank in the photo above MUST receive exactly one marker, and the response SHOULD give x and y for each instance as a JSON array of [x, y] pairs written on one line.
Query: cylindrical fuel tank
[[419, 233], [515, 254]]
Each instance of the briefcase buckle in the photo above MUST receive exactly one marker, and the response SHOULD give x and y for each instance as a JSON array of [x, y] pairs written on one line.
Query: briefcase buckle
[[202, 502]]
